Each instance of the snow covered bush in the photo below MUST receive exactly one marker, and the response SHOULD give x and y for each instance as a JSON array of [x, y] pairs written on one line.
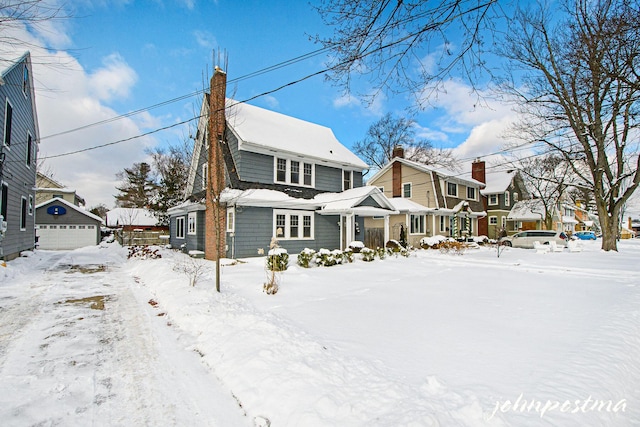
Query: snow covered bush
[[368, 254], [193, 268], [347, 255], [277, 262], [381, 252], [306, 257], [144, 252], [356, 246], [432, 242], [452, 246], [327, 258]]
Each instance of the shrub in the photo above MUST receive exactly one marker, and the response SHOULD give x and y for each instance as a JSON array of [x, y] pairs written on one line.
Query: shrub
[[144, 252], [367, 254], [327, 258], [347, 255], [277, 259], [381, 252], [432, 242], [306, 257], [356, 246], [452, 246]]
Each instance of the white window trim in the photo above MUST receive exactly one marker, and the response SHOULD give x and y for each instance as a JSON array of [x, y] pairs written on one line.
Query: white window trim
[[28, 158], [489, 199], [231, 220], [410, 184], [350, 179], [475, 193], [424, 225], [287, 221], [192, 221], [504, 222], [23, 227], [447, 189], [442, 224], [493, 217], [287, 174], [30, 205], [205, 175], [25, 83], [507, 199], [180, 219], [7, 102]]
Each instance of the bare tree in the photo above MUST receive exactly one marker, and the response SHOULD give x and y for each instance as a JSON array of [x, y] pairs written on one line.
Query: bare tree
[[547, 180], [382, 136], [34, 15], [580, 96], [406, 46]]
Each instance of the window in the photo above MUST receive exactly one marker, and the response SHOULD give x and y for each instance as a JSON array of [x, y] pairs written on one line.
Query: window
[[507, 202], [91, 227], [72, 227], [347, 180], [406, 190], [306, 226], [471, 193], [63, 227], [443, 224], [231, 220], [493, 199], [53, 227], [23, 214], [180, 227], [515, 197], [307, 173], [417, 224], [295, 172], [81, 227], [493, 220], [293, 224], [290, 171], [281, 170], [30, 204], [191, 223], [452, 189], [8, 115], [25, 79], [504, 222], [4, 201], [29, 150], [205, 175]]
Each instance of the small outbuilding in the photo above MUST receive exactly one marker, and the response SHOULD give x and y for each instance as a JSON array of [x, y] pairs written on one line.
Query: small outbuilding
[[62, 225]]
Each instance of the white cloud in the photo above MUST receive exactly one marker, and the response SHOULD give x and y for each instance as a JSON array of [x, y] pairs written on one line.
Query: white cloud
[[205, 39], [69, 97], [271, 101], [114, 79], [376, 106]]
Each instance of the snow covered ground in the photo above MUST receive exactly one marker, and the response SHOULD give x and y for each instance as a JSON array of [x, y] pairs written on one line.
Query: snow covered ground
[[91, 338]]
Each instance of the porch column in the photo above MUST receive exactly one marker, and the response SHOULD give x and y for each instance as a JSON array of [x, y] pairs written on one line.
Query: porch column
[[386, 229], [349, 229]]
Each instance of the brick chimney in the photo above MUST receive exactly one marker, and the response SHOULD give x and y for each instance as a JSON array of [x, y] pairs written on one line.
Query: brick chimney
[[396, 185], [478, 171], [215, 214]]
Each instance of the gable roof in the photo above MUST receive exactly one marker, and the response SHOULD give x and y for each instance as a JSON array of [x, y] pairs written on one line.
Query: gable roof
[[498, 182], [266, 131], [527, 210], [26, 59], [463, 178], [70, 206]]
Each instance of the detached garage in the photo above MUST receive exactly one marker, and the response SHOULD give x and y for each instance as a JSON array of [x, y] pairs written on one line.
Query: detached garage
[[63, 225]]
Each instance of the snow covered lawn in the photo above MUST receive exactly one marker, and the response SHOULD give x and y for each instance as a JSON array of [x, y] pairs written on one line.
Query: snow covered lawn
[[525, 339]]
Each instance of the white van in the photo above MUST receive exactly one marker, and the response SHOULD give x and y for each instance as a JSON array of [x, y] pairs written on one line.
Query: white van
[[525, 239]]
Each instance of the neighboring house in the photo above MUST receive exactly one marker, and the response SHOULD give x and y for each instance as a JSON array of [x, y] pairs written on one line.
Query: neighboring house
[[503, 190], [48, 188], [529, 215], [129, 219], [18, 152], [587, 221], [63, 225], [443, 202], [284, 178]]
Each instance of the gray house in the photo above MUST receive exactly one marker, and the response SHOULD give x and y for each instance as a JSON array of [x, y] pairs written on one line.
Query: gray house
[[18, 150], [284, 178]]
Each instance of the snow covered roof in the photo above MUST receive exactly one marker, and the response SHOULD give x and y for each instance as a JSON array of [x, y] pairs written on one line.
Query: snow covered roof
[[404, 205], [463, 178], [527, 210], [269, 132], [130, 216], [497, 182], [71, 206], [349, 201]]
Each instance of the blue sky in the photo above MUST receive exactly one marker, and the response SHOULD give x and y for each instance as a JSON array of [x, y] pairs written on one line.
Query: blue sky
[[114, 57]]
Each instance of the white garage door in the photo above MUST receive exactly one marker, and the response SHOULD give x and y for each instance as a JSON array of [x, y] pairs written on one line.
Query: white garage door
[[66, 236]]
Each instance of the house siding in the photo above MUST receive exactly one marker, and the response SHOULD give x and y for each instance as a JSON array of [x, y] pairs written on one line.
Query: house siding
[[16, 174], [192, 242], [256, 224]]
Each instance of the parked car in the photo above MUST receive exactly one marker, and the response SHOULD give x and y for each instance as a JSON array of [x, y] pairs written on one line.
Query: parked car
[[525, 239], [585, 235]]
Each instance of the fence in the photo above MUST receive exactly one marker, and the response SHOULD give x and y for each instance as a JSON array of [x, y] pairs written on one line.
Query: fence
[[141, 238]]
